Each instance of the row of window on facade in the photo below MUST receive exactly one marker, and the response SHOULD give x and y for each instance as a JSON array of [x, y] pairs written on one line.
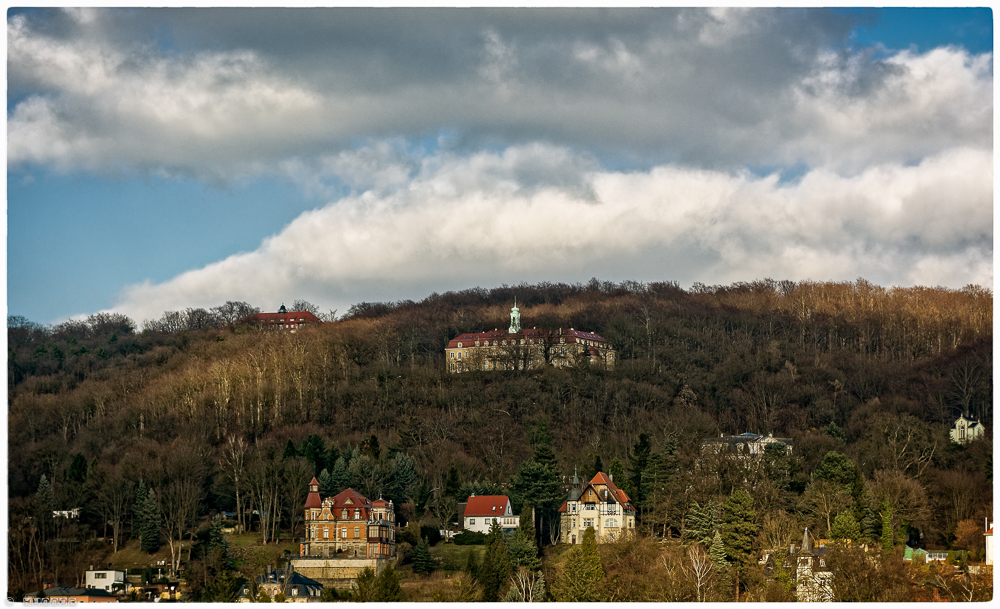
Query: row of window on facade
[[604, 508], [501, 521], [609, 523]]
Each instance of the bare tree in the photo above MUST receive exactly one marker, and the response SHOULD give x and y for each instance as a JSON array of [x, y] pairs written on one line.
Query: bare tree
[[699, 571], [233, 461], [114, 501], [179, 501]]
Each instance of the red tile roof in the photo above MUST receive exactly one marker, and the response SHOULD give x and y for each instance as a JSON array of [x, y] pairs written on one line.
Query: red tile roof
[[313, 500], [468, 339], [487, 505]]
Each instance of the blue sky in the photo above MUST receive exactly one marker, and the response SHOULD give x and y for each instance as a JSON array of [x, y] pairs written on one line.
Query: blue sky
[[161, 159]]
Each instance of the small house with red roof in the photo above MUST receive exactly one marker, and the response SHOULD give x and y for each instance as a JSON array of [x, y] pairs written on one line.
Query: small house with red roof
[[289, 321], [348, 525], [481, 512], [599, 504], [526, 349]]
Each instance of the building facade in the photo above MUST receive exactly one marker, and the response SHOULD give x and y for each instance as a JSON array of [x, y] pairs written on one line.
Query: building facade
[[746, 444], [599, 504], [296, 587], [527, 349], [348, 524], [110, 580], [481, 512], [289, 321], [965, 430]]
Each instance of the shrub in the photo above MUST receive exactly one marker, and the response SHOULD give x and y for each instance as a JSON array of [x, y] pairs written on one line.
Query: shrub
[[470, 538]]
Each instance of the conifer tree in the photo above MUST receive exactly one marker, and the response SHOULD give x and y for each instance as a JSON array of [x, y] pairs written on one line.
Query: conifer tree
[[717, 554], [326, 488], [289, 450], [364, 586], [887, 532], [523, 551], [495, 569], [423, 562], [703, 521], [387, 588], [637, 465], [137, 510], [150, 519], [846, 527], [452, 484], [43, 505], [526, 524], [739, 530], [617, 472], [340, 478], [472, 565], [583, 575]]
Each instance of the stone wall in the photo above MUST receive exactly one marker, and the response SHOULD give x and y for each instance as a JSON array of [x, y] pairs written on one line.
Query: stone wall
[[337, 572]]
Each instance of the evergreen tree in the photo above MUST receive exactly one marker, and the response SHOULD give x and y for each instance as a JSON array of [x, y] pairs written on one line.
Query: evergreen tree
[[217, 542], [43, 505], [538, 484], [423, 562], [371, 448], [846, 527], [887, 532], [289, 450], [717, 554], [137, 510], [637, 465], [472, 565], [703, 521], [617, 473], [526, 524], [598, 466], [364, 586], [495, 569], [150, 520], [326, 488], [387, 588], [331, 457], [739, 530], [340, 478], [452, 484], [582, 576], [77, 472], [314, 450], [523, 551]]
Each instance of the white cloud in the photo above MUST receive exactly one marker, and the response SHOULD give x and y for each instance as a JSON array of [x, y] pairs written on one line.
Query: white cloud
[[480, 220], [710, 88]]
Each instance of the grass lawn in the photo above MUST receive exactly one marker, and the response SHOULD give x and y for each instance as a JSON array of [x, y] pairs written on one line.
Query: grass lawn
[[453, 558]]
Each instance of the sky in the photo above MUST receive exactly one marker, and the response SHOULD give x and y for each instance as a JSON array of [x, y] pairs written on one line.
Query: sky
[[160, 159]]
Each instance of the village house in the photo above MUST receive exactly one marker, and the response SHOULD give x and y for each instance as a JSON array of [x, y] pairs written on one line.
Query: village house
[[526, 349], [285, 320], [813, 575], [481, 512], [296, 587], [70, 595], [965, 430], [598, 504], [110, 580]]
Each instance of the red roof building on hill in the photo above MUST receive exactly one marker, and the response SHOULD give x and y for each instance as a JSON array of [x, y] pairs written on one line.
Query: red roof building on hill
[[348, 524], [599, 504], [285, 320], [526, 349], [480, 513]]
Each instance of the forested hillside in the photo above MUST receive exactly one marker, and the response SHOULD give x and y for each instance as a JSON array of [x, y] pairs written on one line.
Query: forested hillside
[[206, 409]]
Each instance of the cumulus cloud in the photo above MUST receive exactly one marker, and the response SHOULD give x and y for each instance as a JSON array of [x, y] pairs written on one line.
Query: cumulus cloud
[[483, 219], [231, 93]]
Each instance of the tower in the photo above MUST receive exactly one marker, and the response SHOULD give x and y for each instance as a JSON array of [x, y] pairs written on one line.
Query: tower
[[515, 319]]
